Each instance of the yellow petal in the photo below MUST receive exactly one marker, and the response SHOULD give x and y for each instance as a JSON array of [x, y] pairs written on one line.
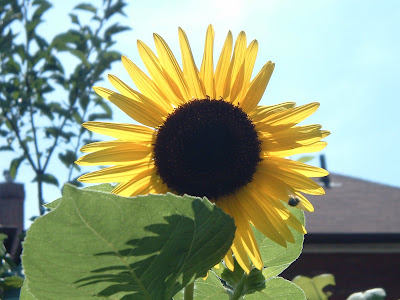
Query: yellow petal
[[207, 65], [276, 216], [257, 87], [304, 203], [125, 153], [156, 72], [170, 66], [246, 236], [137, 184], [244, 243], [147, 86], [261, 112], [190, 70], [133, 108], [96, 146], [238, 56], [223, 66], [318, 146], [116, 173], [287, 118], [237, 86], [293, 179], [291, 138], [278, 191], [248, 64], [306, 170], [259, 218], [129, 132], [127, 91], [229, 260]]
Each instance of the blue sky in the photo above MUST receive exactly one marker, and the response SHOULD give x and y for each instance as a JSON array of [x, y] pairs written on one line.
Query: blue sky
[[343, 54]]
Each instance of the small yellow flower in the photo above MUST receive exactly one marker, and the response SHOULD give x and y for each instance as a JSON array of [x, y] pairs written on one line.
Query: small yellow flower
[[204, 134]]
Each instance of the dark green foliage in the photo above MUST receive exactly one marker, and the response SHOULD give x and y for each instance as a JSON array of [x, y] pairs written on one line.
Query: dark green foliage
[[11, 278], [43, 105]]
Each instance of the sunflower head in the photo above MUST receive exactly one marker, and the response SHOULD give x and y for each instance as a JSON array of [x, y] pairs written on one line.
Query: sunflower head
[[207, 148], [202, 132]]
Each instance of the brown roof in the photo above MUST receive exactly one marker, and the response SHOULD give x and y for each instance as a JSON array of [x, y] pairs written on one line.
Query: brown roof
[[352, 205]]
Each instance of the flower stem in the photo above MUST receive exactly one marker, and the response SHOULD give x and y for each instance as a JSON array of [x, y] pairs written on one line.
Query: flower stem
[[188, 292], [239, 288]]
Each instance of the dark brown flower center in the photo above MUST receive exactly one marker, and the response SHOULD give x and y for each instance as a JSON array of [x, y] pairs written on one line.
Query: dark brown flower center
[[207, 148]]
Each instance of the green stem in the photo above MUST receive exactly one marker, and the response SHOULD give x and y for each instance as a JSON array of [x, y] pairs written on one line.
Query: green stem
[[188, 292], [239, 288]]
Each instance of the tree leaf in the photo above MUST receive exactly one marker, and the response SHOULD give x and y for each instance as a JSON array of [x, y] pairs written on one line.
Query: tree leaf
[[113, 29], [87, 7], [116, 8], [6, 148], [12, 282], [67, 158], [313, 287], [278, 288], [14, 165], [104, 246], [43, 6], [48, 178], [74, 19], [98, 116]]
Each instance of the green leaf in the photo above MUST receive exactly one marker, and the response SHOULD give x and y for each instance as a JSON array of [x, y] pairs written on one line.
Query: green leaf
[[6, 148], [209, 289], [87, 7], [113, 29], [68, 158], [12, 282], [14, 165], [43, 6], [278, 288], [48, 178], [3, 237], [116, 8], [97, 116], [11, 66], [313, 287], [104, 246], [74, 19], [275, 257]]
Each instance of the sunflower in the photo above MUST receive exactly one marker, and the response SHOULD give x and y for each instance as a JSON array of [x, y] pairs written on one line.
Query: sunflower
[[204, 134]]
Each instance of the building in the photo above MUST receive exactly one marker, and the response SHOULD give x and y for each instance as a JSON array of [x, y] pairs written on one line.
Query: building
[[353, 234]]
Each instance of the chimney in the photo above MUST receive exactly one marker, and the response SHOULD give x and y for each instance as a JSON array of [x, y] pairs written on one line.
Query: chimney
[[326, 180]]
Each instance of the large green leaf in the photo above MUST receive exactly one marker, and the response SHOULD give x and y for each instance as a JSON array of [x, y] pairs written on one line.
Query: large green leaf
[[278, 288], [104, 246], [104, 187]]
